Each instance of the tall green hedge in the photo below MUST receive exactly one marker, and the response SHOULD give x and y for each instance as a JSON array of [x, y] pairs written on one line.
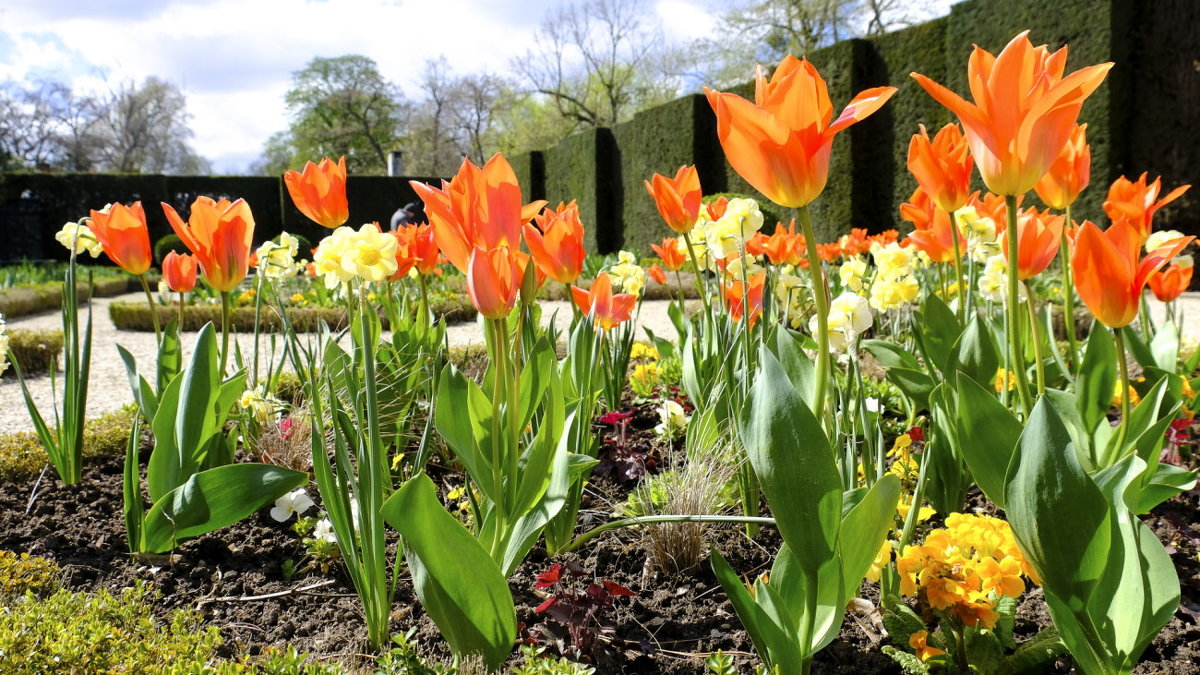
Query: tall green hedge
[[586, 167], [530, 168]]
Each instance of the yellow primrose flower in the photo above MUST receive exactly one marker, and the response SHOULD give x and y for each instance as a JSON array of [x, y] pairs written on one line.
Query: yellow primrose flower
[[641, 350], [370, 254], [627, 275], [920, 646]]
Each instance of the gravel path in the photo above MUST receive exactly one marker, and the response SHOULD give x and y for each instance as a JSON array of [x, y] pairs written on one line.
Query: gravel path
[[109, 385]]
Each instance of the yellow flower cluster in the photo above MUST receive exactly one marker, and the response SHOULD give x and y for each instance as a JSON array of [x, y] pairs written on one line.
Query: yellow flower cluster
[[727, 236], [894, 285], [1134, 398], [641, 350], [852, 272], [345, 254], [1005, 379], [278, 261], [965, 568], [627, 275], [644, 378]]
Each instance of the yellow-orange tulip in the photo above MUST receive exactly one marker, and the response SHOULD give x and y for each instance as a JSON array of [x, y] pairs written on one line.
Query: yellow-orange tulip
[[1171, 281], [320, 192], [1039, 234], [493, 281], [416, 244], [123, 234], [933, 233], [480, 208], [1024, 110], [1135, 201], [557, 243], [781, 142], [678, 198], [598, 302], [1108, 275], [942, 166], [219, 235], [658, 274], [670, 253], [735, 289], [1069, 174], [784, 247], [179, 271]]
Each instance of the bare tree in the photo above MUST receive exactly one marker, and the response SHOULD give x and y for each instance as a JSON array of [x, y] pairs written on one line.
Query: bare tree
[[595, 59], [30, 122], [475, 107], [431, 148], [144, 129]]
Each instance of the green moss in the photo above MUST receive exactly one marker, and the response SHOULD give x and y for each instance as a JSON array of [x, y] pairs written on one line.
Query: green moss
[[80, 632], [22, 455], [34, 350], [23, 573]]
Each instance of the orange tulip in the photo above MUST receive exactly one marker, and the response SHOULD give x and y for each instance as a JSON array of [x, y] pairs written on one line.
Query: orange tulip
[[1108, 276], [942, 166], [933, 233], [557, 243], [606, 310], [1024, 110], [781, 143], [658, 274], [219, 235], [677, 199], [1135, 201], [670, 253], [419, 247], [123, 234], [493, 281], [735, 289], [1171, 281], [1069, 174], [756, 245], [716, 208], [784, 246], [179, 271], [1039, 234], [479, 208], [320, 192]]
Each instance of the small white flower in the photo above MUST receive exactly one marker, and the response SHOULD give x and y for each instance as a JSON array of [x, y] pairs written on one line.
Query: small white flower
[[872, 404], [295, 502], [674, 420], [324, 530]]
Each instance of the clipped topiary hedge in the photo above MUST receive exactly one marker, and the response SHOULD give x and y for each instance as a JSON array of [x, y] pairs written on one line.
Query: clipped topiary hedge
[[34, 350], [136, 316], [530, 168], [584, 167], [36, 298]]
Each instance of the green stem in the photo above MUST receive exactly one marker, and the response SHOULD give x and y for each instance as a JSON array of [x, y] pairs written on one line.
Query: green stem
[[1037, 340], [960, 647], [821, 301], [687, 240], [424, 300], [652, 520], [181, 311], [958, 290], [1068, 291], [499, 327], [153, 308], [226, 309], [1017, 365], [1123, 366]]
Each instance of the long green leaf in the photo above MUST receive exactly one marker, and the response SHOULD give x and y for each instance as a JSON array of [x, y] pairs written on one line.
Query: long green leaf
[[987, 436]]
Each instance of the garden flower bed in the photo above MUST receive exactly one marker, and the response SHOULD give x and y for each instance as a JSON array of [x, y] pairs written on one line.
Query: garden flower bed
[[872, 454]]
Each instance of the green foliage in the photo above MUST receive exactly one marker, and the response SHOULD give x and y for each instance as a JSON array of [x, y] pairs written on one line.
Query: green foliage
[[272, 661], [584, 167], [33, 298], [34, 350], [536, 662], [79, 632], [23, 573], [136, 315], [22, 455], [166, 244]]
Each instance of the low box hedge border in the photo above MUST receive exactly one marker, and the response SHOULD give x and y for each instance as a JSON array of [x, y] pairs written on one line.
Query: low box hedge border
[[136, 316], [36, 298], [34, 350]]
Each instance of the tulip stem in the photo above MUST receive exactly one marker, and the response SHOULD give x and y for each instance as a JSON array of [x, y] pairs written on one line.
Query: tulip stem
[[1037, 340], [225, 312], [958, 291], [1123, 367], [1068, 291], [1014, 317], [696, 266], [153, 309], [821, 301], [180, 326]]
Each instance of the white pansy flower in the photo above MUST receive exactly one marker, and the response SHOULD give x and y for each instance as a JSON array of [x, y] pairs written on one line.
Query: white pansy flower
[[293, 503]]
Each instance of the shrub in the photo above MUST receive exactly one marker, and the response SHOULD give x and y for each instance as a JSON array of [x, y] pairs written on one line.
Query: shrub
[[136, 315], [22, 455], [166, 244], [21, 574], [35, 350], [44, 297], [80, 632]]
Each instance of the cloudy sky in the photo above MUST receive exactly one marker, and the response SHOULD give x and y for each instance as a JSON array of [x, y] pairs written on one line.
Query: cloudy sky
[[234, 58]]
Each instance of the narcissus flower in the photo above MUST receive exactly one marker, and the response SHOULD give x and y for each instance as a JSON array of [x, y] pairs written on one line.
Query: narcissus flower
[[557, 242], [80, 237], [1069, 174], [219, 235], [1108, 275], [320, 192], [121, 231], [678, 198], [942, 166], [179, 271], [627, 274], [672, 253], [781, 142], [1171, 281], [849, 318], [1137, 201], [1038, 236], [480, 208], [605, 309], [1024, 110], [278, 260]]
